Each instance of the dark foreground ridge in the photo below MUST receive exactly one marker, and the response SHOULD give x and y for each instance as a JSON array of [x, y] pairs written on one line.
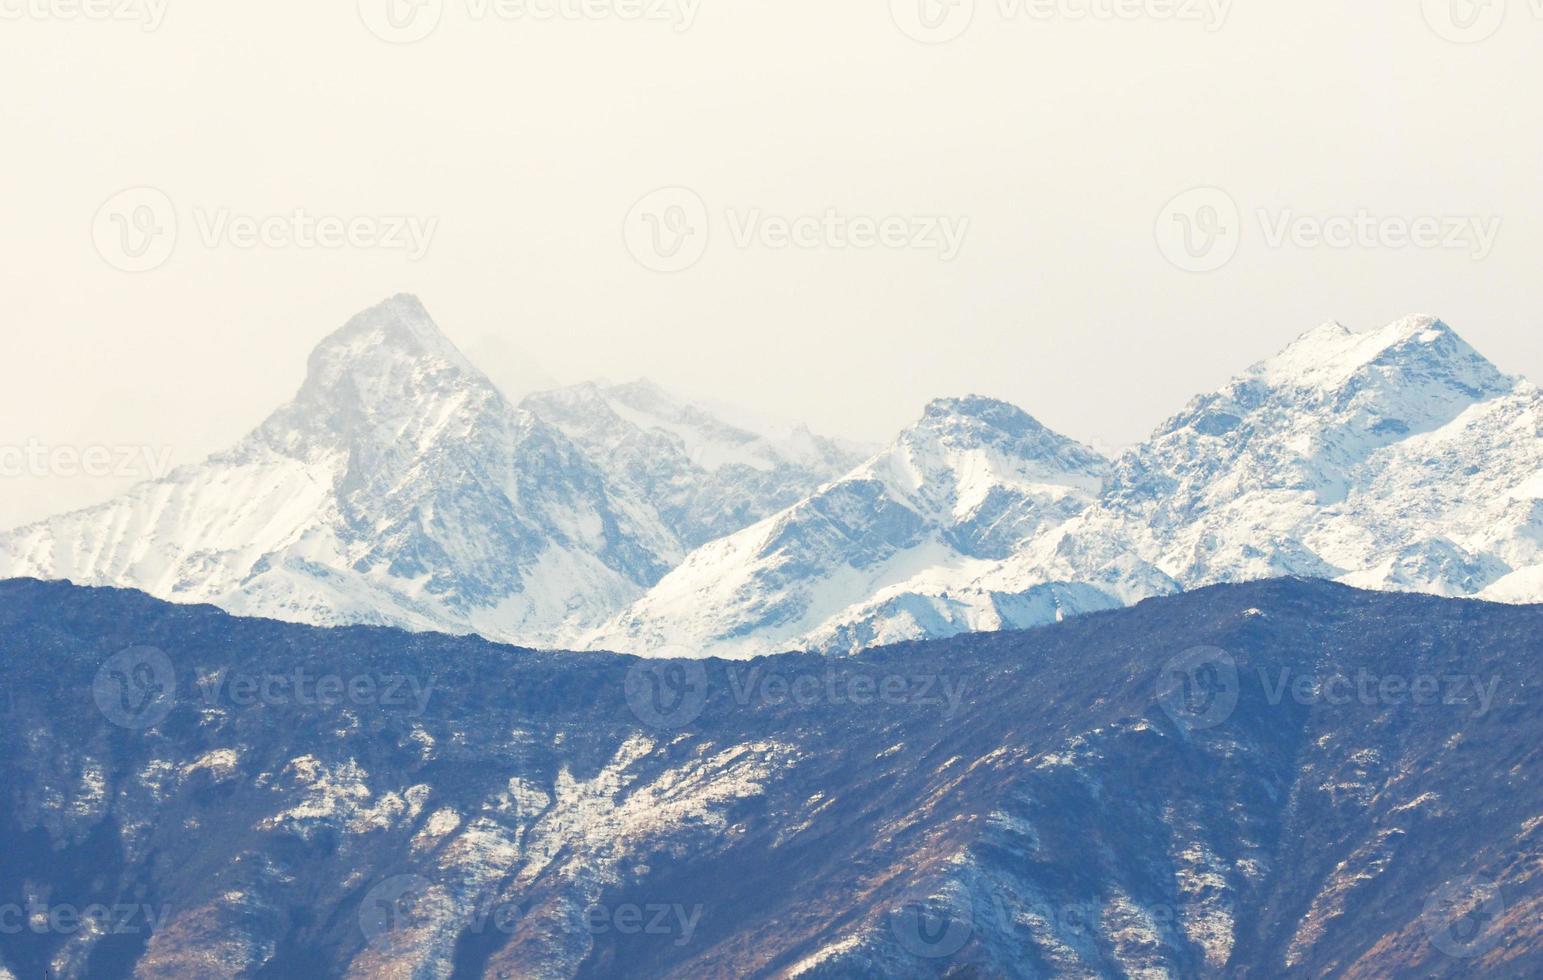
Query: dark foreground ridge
[[1286, 778]]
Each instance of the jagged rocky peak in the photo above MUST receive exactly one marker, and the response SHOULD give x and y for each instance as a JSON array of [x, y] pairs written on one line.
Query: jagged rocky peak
[[388, 373], [974, 423], [395, 332], [1413, 350], [1359, 390]]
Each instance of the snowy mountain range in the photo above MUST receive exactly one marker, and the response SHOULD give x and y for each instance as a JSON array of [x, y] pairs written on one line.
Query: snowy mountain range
[[401, 487], [1395, 459]]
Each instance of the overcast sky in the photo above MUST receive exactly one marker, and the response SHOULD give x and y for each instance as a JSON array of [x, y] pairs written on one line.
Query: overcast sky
[[999, 188]]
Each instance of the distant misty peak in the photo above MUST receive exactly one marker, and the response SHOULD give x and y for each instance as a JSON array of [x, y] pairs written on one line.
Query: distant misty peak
[[400, 486]]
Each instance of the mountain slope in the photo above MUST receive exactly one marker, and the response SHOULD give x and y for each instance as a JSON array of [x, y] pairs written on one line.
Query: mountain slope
[[970, 483], [397, 487], [706, 478], [1053, 802], [1398, 459]]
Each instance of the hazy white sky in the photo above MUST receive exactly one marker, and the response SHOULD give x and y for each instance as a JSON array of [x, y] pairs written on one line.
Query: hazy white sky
[[524, 147]]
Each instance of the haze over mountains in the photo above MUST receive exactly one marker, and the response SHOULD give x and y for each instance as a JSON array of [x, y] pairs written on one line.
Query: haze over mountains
[[400, 487]]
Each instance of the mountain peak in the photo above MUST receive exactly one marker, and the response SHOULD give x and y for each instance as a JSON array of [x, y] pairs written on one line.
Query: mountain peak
[[1328, 357], [388, 370], [965, 425], [992, 411], [400, 326]]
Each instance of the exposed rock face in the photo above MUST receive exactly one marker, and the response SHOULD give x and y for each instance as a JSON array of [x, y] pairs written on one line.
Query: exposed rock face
[[401, 488], [1393, 459], [973, 482], [1286, 778]]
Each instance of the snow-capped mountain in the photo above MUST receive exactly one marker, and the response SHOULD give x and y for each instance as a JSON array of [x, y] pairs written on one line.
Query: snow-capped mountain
[[398, 487], [1394, 459], [969, 484], [705, 477]]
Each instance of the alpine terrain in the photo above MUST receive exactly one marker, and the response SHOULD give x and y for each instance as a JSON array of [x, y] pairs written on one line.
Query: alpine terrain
[[400, 487], [1396, 459], [1288, 778]]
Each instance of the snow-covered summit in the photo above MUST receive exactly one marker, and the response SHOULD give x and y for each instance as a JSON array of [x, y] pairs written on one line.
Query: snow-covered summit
[[400, 487], [970, 482], [1398, 458], [706, 477]]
